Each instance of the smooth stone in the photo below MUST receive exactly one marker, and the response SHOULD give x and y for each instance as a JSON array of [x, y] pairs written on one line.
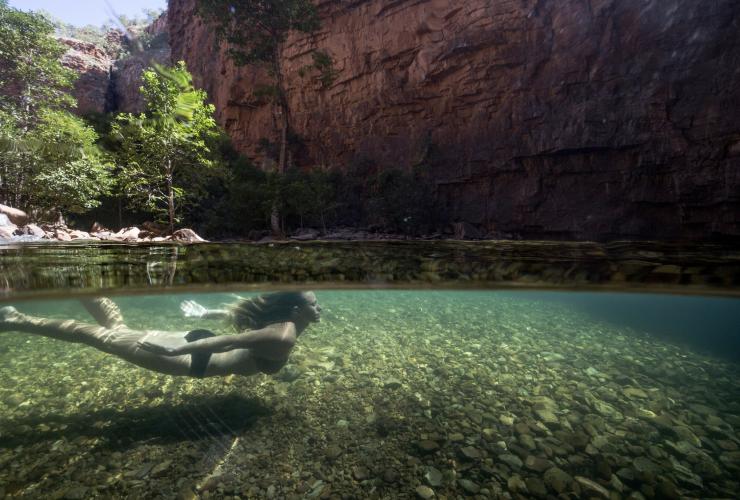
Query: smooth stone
[[666, 489], [392, 383], [360, 473], [634, 392], [644, 464], [522, 428], [511, 460], [433, 477], [470, 453], [537, 464], [390, 475], [702, 409], [557, 479], [161, 467], [727, 445], [599, 442], [427, 445], [592, 486], [469, 486], [527, 441], [685, 434], [516, 484], [455, 437], [552, 357], [536, 487], [682, 448], [547, 416], [332, 451], [506, 420], [424, 492]]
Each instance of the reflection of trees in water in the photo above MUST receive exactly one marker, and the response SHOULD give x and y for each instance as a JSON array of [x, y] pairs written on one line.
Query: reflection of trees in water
[[654, 266], [161, 269]]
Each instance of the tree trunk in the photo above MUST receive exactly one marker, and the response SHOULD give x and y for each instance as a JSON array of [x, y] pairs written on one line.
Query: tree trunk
[[277, 231], [170, 197], [275, 219]]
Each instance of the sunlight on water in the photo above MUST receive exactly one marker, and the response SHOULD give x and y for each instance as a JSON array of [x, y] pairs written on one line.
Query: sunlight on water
[[392, 394]]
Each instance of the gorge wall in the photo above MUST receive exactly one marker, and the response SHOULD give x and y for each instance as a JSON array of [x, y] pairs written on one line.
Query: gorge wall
[[588, 119], [109, 76]]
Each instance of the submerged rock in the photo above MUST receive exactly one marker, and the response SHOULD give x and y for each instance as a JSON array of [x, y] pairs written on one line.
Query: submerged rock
[[424, 492]]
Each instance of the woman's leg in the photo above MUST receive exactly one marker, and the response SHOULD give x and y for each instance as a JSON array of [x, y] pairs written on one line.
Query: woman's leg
[[68, 330], [105, 311]]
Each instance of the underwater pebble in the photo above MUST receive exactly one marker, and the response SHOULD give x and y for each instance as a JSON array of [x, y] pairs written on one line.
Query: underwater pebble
[[424, 492]]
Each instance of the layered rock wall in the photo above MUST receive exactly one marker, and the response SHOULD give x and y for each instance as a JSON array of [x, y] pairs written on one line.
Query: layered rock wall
[[92, 64], [109, 77], [595, 119]]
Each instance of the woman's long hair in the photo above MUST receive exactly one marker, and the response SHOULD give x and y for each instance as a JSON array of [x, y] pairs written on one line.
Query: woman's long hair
[[258, 312]]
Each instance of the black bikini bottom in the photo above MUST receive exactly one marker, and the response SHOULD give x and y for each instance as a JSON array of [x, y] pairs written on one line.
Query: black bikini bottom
[[199, 360]]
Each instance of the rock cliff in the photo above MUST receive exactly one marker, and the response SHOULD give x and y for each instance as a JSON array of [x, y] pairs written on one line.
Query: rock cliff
[[581, 119], [110, 77], [92, 64]]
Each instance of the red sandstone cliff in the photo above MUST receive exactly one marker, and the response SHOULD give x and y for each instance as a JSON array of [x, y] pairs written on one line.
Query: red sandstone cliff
[[108, 82], [92, 64], [568, 118]]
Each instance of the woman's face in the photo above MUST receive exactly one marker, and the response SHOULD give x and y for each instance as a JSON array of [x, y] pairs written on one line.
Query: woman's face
[[310, 311]]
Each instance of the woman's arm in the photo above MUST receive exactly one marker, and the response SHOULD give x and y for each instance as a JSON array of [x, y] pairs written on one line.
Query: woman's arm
[[191, 309], [272, 342]]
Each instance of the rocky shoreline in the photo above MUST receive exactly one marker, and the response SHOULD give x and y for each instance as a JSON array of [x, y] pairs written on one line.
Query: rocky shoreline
[[16, 227]]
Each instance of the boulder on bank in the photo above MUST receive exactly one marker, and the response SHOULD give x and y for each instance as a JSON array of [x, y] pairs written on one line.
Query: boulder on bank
[[127, 234], [186, 236], [33, 230], [17, 217], [305, 234], [6, 232], [97, 227], [154, 228]]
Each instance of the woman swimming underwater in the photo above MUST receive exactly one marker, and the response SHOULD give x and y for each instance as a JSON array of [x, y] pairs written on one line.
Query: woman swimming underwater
[[269, 326]]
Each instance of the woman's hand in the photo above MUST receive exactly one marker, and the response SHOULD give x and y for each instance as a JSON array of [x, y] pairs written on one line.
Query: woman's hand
[[156, 348], [191, 309]]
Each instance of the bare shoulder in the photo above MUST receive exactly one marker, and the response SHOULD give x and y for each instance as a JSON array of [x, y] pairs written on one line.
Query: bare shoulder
[[285, 330]]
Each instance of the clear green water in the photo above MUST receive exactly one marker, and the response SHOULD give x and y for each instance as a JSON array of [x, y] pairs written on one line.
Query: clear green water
[[465, 393]]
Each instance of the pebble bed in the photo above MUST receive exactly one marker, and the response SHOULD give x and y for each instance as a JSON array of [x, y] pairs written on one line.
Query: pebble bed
[[401, 394]]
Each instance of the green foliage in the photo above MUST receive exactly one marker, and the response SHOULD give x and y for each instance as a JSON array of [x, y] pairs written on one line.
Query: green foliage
[[323, 62], [71, 172], [164, 151], [310, 196], [31, 76], [390, 200], [48, 157], [394, 200], [54, 165], [256, 28]]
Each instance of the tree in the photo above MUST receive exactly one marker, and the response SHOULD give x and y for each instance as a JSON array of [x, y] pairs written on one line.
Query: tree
[[71, 173], [31, 76], [255, 31], [48, 157], [162, 148]]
